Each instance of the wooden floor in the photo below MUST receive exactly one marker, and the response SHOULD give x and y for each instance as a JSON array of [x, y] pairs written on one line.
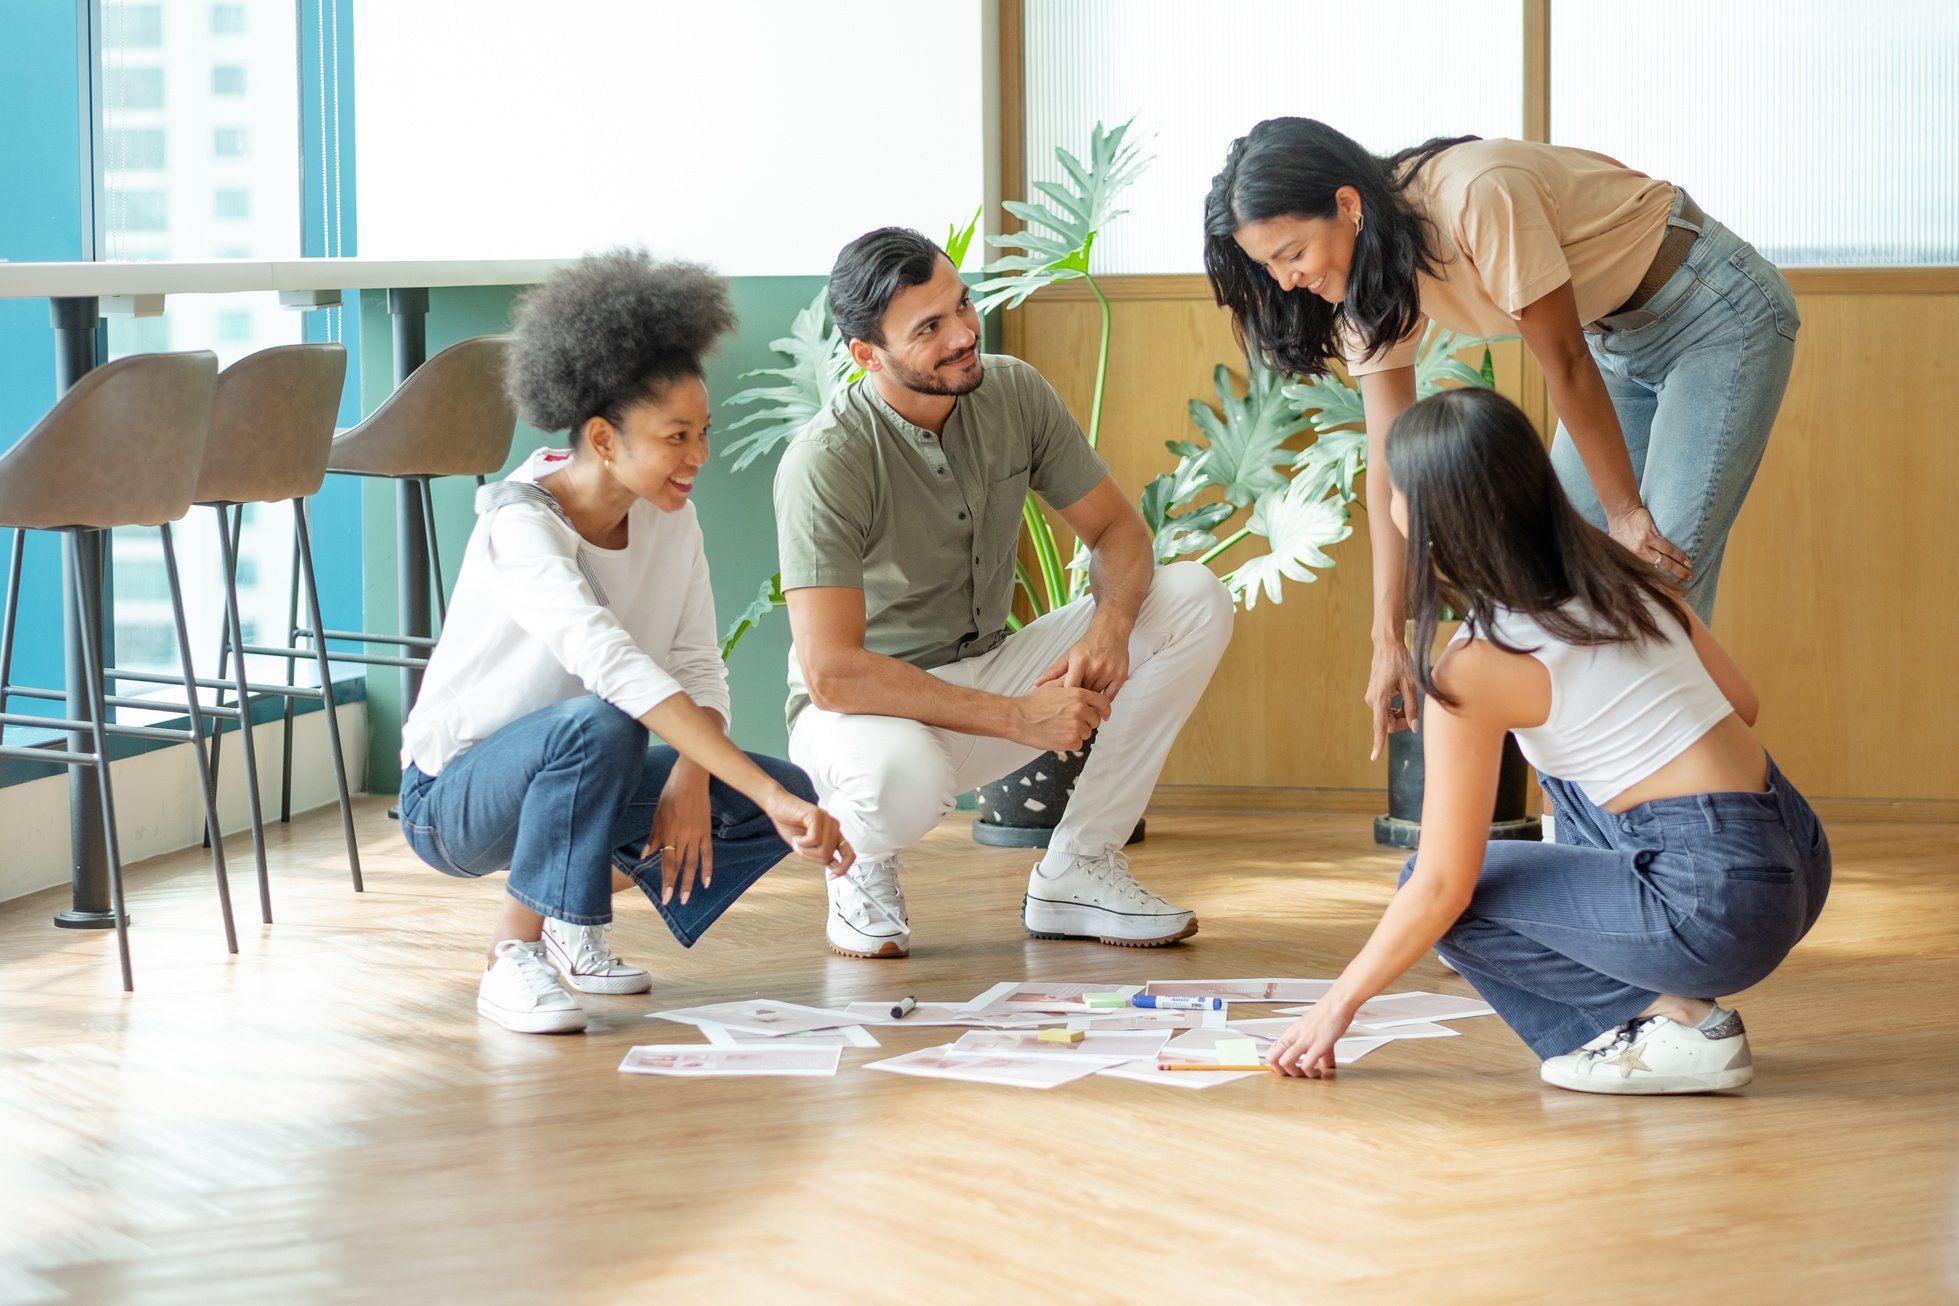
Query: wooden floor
[[324, 1118]]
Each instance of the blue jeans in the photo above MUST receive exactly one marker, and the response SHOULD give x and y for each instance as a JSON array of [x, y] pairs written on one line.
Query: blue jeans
[[1696, 388], [1698, 896], [562, 796]]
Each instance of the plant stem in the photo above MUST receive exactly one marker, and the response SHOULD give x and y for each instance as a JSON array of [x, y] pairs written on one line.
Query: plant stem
[[1101, 363], [1226, 543], [1045, 553]]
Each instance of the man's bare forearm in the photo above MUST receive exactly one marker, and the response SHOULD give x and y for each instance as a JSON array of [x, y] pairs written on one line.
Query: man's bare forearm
[[1119, 570], [861, 682]]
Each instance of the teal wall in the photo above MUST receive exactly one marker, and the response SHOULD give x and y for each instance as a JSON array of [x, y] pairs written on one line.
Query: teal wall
[[736, 508]]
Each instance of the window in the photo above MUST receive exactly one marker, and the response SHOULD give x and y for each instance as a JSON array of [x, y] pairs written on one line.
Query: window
[[1197, 77], [1820, 138], [131, 27], [137, 150], [767, 181], [239, 200], [140, 210], [133, 88]]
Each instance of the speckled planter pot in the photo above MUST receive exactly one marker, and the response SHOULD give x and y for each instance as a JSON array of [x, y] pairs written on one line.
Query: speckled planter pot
[[1022, 809]]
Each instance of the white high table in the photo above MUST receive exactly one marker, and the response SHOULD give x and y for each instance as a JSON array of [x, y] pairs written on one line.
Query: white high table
[[79, 295]]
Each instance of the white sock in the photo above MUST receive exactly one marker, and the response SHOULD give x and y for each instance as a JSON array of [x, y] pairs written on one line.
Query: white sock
[[1055, 862]]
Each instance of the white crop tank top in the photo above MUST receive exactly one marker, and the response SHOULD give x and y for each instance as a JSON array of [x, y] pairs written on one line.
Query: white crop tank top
[[1619, 712]]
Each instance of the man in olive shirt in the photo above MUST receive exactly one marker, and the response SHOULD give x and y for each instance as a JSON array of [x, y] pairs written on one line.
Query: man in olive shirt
[[899, 510]]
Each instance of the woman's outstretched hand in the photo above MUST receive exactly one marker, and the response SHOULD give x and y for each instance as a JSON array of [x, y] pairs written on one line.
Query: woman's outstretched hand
[[1390, 692], [1306, 1049], [1643, 540], [811, 833]]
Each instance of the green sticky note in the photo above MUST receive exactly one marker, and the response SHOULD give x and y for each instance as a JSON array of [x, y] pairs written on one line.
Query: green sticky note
[[1238, 1052], [1105, 1000]]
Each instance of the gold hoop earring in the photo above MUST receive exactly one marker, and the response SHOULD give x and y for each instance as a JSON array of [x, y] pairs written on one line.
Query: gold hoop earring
[[1360, 220], [608, 464]]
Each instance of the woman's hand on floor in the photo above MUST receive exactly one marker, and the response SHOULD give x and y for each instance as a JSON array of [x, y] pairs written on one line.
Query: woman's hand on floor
[[1306, 1049]]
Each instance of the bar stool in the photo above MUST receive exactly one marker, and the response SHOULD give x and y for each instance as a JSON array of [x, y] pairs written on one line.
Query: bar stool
[[271, 427], [449, 418], [121, 448]]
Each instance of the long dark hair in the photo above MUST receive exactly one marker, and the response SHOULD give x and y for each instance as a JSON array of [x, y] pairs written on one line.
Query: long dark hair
[[1489, 527], [1293, 167]]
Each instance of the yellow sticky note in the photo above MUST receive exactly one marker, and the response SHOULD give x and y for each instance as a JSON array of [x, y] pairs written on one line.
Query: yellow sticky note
[[1060, 1036], [1238, 1052]]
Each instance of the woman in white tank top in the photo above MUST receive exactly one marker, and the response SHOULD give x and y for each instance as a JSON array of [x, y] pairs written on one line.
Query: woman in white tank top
[[1686, 866]]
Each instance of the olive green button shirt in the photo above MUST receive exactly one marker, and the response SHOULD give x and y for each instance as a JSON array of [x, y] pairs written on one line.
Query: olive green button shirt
[[927, 527]]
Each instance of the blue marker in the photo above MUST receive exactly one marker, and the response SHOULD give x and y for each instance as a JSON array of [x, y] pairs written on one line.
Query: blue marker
[[1168, 1003]]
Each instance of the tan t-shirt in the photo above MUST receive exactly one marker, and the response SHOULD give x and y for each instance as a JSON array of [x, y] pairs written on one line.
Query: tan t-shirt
[[1513, 221]]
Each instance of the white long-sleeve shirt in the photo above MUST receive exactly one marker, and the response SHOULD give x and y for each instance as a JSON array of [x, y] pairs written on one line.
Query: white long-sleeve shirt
[[526, 630]]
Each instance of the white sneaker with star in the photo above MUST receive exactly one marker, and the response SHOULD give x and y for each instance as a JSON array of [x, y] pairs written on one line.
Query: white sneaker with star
[[521, 993], [867, 911], [1095, 897], [586, 960], [1654, 1055]]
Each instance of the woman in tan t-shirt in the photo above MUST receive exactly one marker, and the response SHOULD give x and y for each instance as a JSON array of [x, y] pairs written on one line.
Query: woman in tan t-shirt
[[1665, 340]]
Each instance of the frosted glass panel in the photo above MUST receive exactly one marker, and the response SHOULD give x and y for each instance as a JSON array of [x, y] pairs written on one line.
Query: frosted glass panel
[[1197, 76], [1822, 132], [758, 136]]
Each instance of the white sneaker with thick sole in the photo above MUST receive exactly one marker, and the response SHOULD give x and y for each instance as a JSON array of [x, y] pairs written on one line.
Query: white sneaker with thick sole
[[521, 993], [867, 912], [1656, 1055], [585, 959], [1097, 898]]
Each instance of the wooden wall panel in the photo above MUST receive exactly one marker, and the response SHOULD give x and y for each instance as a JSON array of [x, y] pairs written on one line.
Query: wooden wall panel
[[1838, 597]]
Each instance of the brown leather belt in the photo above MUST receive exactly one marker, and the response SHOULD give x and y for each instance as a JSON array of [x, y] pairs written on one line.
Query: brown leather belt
[[1674, 246]]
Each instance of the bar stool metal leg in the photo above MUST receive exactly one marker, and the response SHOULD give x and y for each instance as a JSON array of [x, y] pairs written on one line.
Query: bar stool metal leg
[[91, 656], [235, 635], [7, 620], [305, 537], [292, 675], [198, 738]]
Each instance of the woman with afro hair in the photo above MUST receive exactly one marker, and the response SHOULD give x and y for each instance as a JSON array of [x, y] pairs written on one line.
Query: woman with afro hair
[[582, 621]]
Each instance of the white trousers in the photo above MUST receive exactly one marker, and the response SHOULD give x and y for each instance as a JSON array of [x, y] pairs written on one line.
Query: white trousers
[[889, 780]]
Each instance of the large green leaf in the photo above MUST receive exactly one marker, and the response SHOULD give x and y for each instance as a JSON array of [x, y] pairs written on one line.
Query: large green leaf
[[1437, 366], [766, 601], [1327, 401], [1246, 446], [1057, 236], [957, 239], [1342, 454], [1190, 532], [1299, 522], [819, 362]]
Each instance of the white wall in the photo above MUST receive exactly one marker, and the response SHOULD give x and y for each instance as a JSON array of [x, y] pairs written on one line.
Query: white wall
[[158, 807]]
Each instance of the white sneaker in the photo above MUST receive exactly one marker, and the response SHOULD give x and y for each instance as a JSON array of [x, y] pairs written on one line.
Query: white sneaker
[[585, 959], [1097, 898], [867, 911], [520, 993], [1657, 1055]]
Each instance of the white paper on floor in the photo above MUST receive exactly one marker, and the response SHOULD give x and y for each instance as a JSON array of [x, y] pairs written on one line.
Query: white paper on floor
[[1148, 1072], [1242, 990], [1272, 1027], [697, 1061], [1407, 1008], [1039, 995], [1105, 1045], [843, 1036], [1019, 1072], [761, 1016], [943, 1013]]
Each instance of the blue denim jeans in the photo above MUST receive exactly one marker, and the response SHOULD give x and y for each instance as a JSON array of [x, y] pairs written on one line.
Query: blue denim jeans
[[1698, 896], [562, 796], [1696, 388]]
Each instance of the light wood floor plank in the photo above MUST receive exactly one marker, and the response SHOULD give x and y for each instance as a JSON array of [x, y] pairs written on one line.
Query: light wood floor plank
[[324, 1118]]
